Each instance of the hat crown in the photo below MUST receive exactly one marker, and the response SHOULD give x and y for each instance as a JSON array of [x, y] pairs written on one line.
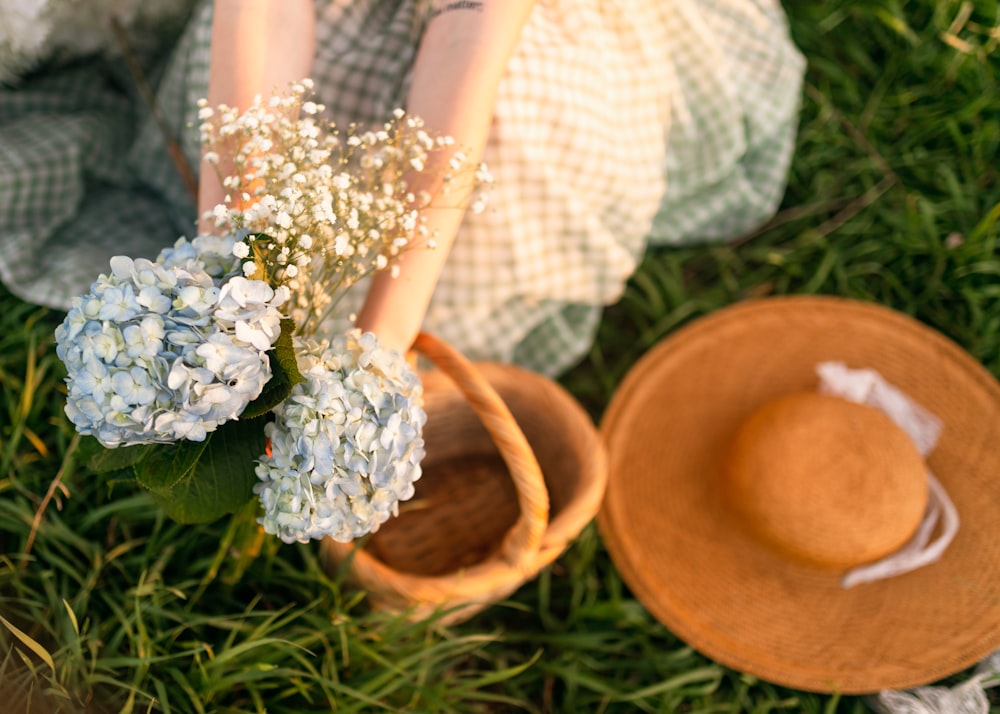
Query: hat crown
[[828, 481]]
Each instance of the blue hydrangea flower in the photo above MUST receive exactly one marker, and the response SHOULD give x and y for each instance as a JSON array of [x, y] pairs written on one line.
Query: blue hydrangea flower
[[346, 445], [164, 350]]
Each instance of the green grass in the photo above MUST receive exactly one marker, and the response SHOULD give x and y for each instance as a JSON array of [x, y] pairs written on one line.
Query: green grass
[[894, 197]]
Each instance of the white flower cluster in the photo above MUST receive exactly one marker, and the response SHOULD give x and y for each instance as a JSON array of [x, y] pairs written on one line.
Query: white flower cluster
[[347, 444], [33, 31], [168, 350], [331, 208]]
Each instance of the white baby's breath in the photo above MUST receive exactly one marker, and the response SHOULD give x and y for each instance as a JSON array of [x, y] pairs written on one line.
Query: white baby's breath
[[324, 209]]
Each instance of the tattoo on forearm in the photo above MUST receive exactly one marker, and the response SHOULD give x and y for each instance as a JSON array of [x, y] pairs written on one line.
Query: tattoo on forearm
[[457, 5]]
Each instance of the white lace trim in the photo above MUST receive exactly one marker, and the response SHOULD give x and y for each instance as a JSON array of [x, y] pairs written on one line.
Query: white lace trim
[[866, 386], [969, 697]]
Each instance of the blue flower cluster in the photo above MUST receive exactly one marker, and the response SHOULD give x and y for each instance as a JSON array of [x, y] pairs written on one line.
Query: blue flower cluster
[[346, 445], [164, 350]]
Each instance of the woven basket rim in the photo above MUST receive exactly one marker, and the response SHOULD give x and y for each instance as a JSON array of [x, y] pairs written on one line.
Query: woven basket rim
[[469, 589]]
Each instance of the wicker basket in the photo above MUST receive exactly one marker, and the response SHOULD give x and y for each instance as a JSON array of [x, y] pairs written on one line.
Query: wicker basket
[[514, 470]]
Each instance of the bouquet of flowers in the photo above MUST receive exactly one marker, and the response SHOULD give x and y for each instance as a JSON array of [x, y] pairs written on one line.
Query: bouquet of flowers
[[203, 375]]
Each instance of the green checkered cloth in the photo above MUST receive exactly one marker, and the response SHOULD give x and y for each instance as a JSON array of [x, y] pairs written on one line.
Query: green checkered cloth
[[618, 123]]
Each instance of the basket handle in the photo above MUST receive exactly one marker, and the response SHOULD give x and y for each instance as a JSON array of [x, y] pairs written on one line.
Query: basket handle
[[524, 539]]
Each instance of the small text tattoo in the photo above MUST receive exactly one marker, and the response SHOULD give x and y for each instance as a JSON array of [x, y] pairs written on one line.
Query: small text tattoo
[[457, 5]]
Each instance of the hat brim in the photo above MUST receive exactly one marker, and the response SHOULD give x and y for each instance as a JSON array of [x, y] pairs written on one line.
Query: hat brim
[[683, 554]]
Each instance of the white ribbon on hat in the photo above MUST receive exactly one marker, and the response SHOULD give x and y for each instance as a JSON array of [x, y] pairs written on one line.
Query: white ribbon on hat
[[866, 386]]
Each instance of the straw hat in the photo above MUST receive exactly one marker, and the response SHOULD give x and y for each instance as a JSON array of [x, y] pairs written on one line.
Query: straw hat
[[737, 497]]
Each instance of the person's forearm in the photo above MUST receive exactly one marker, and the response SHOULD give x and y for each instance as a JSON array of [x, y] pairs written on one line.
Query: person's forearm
[[258, 46], [462, 58]]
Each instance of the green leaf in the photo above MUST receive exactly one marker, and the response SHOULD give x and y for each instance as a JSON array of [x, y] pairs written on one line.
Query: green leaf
[[167, 464], [103, 460], [284, 374], [201, 485]]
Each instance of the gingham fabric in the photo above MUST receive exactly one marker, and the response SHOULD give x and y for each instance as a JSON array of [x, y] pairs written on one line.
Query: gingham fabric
[[611, 113]]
